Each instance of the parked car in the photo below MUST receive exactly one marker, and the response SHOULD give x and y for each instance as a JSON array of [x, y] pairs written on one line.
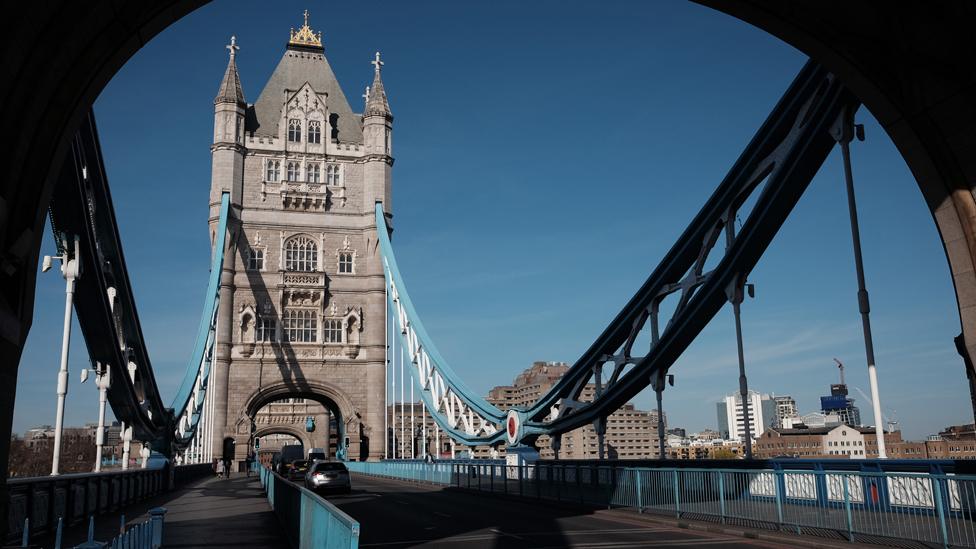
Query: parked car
[[328, 476], [296, 470]]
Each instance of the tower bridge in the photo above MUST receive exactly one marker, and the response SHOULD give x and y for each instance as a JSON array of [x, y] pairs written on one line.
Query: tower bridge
[[306, 300]]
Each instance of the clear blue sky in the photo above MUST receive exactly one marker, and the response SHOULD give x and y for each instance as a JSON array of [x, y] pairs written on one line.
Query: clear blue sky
[[547, 156]]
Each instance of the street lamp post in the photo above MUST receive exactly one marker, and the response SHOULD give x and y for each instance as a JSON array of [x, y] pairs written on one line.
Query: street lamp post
[[71, 271]]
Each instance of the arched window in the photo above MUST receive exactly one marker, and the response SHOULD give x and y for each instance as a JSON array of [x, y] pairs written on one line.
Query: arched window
[[313, 173], [314, 131], [294, 130], [273, 171], [332, 174], [332, 330], [301, 254], [300, 325], [294, 171]]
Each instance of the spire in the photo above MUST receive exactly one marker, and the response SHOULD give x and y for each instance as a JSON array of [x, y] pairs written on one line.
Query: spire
[[230, 87], [376, 102]]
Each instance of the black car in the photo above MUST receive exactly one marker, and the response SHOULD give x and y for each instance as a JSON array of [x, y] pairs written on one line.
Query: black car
[[296, 470], [328, 475]]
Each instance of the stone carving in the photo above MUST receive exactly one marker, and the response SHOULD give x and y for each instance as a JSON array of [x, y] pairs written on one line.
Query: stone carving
[[247, 323]]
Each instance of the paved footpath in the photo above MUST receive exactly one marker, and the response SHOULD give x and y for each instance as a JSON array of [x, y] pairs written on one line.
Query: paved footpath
[[223, 513], [394, 514]]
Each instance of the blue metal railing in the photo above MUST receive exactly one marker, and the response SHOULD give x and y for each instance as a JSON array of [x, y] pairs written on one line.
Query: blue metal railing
[[309, 520], [868, 506], [435, 473]]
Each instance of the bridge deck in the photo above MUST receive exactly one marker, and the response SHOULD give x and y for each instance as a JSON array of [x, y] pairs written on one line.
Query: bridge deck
[[394, 513]]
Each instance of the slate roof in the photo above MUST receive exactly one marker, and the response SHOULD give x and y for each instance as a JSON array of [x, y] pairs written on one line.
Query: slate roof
[[297, 67], [230, 87], [377, 103]]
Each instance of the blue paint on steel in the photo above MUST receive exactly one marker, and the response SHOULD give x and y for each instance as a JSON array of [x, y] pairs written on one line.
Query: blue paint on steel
[[205, 331], [478, 404]]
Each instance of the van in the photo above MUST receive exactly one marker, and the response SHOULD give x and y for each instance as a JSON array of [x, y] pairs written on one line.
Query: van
[[317, 454], [288, 454]]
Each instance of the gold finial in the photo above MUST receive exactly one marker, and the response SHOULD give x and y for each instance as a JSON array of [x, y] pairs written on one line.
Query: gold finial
[[305, 36]]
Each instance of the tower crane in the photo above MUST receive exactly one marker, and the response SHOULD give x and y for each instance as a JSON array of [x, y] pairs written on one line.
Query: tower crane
[[840, 366]]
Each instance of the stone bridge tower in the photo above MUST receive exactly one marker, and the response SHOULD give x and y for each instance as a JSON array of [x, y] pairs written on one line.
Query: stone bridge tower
[[302, 306]]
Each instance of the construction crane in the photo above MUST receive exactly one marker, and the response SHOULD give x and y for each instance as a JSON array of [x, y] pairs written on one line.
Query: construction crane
[[840, 366]]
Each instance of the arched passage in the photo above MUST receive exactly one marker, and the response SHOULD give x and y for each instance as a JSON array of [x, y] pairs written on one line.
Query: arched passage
[[347, 416]]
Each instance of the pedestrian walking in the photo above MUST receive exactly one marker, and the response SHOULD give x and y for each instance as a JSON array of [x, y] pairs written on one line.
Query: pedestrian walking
[[220, 468]]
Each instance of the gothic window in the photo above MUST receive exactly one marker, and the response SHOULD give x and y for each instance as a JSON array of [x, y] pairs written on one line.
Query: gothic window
[[301, 254], [255, 259], [273, 172], [266, 329], [294, 170], [313, 173], [332, 330], [314, 131], [332, 174], [300, 325], [345, 263], [294, 130]]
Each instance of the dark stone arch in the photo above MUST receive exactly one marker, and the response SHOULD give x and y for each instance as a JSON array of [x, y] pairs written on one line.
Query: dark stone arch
[[348, 417], [910, 63], [290, 430]]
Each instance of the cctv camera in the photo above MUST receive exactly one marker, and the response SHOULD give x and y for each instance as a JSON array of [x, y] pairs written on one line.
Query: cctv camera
[[84, 375], [46, 264]]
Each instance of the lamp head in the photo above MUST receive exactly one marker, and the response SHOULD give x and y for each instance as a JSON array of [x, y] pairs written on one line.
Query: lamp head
[[46, 264]]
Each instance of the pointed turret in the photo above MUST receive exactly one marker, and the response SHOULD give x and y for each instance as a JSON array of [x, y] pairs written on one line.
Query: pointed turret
[[378, 138], [230, 87], [376, 103]]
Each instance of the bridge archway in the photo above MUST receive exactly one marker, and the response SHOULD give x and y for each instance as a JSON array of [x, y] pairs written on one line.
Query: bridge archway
[[299, 434], [348, 418]]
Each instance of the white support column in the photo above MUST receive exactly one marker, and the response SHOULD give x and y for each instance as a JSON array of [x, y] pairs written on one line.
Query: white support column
[[386, 362], [391, 411], [104, 381], [423, 416], [71, 270], [403, 403], [126, 445], [413, 430]]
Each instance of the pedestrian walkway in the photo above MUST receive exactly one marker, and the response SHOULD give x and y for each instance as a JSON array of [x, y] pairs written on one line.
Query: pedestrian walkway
[[222, 513]]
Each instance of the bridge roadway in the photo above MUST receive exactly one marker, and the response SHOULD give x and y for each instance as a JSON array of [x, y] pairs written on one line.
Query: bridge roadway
[[395, 513], [234, 512]]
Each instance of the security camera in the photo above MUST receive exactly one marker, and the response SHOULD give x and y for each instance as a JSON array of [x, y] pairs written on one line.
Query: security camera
[[46, 264], [84, 375]]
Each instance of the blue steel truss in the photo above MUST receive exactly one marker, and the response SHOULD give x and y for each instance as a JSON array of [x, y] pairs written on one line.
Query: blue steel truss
[[192, 393], [774, 170]]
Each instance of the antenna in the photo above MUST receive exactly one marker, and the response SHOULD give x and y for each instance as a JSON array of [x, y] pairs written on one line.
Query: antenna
[[840, 366]]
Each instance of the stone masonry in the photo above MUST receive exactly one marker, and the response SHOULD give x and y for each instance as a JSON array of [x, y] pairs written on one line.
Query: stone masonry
[[302, 306]]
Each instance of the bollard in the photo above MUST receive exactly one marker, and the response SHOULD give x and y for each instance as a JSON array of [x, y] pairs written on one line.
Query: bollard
[[156, 516], [26, 536], [57, 534]]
